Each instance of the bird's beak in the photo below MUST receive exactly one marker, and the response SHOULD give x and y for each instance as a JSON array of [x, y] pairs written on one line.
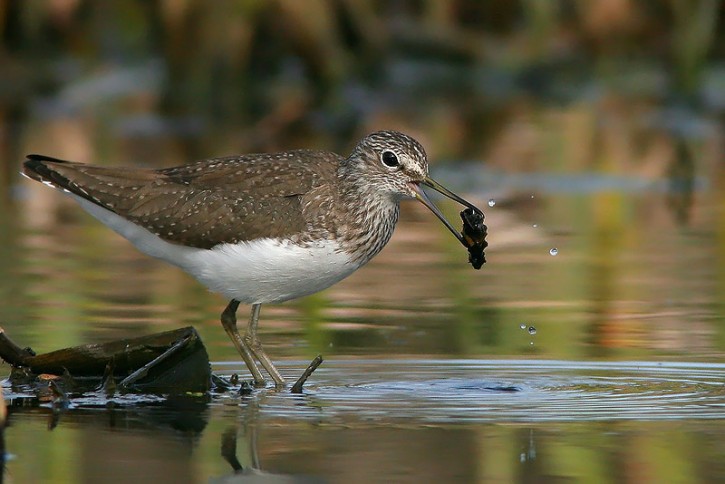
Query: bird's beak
[[423, 198]]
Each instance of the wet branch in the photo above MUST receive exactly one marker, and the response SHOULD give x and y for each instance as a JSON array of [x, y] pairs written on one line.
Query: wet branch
[[297, 387]]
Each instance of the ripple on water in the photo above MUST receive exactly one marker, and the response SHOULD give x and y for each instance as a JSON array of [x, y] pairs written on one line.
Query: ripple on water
[[507, 391]]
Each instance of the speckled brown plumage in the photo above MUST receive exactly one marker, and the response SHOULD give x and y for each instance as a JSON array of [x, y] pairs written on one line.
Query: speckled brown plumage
[[302, 196], [209, 202]]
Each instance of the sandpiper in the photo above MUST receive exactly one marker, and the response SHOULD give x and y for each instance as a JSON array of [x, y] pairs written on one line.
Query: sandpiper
[[259, 228]]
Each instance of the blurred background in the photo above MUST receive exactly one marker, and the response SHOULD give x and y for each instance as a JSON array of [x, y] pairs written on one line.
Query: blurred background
[[596, 127], [616, 86], [591, 132]]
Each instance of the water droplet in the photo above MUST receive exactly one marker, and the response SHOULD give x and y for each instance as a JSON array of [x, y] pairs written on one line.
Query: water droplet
[[553, 251], [536, 226], [532, 196], [532, 330], [523, 326], [532, 343], [491, 202]]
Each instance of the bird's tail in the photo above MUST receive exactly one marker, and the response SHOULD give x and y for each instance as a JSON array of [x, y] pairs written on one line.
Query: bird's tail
[[104, 186], [42, 168]]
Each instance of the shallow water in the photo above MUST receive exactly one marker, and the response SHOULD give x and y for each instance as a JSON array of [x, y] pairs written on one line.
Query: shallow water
[[367, 420], [461, 391], [605, 362]]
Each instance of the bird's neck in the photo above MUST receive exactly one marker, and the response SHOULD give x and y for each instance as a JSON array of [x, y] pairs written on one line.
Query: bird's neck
[[369, 219]]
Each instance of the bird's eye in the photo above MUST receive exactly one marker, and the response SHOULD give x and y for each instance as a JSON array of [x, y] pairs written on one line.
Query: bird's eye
[[390, 159]]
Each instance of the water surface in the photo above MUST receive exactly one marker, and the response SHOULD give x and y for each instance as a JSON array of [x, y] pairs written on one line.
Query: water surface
[[603, 362]]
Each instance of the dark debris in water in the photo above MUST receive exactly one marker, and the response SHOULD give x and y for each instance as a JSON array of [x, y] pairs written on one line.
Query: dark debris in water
[[133, 371], [474, 236], [172, 362]]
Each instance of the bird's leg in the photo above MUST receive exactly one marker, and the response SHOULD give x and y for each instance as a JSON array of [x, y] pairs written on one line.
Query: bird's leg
[[253, 343], [229, 322]]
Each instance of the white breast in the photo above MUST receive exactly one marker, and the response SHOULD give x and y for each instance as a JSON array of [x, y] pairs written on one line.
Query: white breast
[[267, 270], [260, 271]]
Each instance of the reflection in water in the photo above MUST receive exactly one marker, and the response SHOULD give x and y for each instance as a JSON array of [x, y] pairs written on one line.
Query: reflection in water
[[141, 442], [229, 450], [187, 415], [251, 471], [529, 453]]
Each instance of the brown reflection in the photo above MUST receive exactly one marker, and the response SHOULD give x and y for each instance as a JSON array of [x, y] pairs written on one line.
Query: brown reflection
[[142, 454], [366, 452], [608, 234], [246, 429], [271, 439], [229, 450], [113, 441]]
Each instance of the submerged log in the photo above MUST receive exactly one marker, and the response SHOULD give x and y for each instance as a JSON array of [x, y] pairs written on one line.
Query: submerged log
[[169, 362]]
